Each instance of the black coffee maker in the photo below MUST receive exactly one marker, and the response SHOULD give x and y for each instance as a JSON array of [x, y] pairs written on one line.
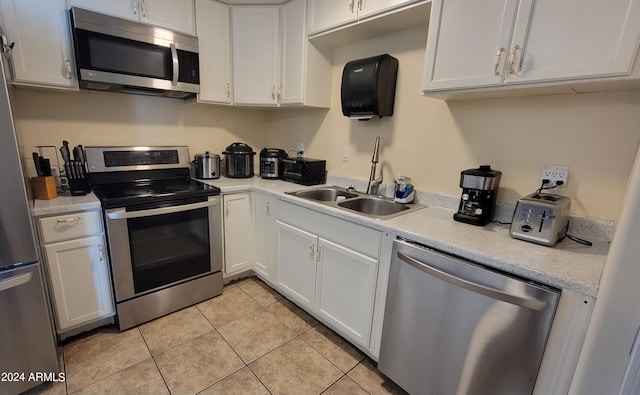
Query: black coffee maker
[[479, 191]]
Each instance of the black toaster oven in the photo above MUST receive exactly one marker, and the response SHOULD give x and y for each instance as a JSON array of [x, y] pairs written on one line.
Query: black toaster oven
[[305, 171]]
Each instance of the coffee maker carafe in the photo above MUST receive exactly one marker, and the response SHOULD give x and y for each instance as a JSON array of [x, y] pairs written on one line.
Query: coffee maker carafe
[[479, 191]]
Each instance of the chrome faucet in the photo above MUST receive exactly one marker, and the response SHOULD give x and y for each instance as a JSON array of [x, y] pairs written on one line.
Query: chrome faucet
[[374, 183]]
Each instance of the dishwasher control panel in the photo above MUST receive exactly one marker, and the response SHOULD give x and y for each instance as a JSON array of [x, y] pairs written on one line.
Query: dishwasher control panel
[[541, 218]]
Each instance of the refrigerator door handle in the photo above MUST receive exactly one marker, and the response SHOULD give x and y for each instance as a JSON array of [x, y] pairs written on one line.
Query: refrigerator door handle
[[473, 287], [15, 281]]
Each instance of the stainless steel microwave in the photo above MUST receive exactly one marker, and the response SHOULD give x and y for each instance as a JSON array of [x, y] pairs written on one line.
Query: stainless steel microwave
[[114, 54]]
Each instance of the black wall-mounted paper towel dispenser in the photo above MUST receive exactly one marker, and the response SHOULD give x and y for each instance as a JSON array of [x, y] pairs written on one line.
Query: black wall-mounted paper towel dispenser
[[369, 87]]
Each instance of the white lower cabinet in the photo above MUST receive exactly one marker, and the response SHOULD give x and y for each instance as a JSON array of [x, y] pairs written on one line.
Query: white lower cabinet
[[346, 284], [238, 233], [76, 258], [80, 280], [297, 264], [266, 236], [329, 267]]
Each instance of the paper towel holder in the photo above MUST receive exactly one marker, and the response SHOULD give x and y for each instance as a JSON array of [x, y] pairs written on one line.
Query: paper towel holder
[[369, 87]]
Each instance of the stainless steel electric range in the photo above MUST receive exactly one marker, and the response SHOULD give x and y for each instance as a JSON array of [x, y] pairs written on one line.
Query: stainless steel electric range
[[164, 230]]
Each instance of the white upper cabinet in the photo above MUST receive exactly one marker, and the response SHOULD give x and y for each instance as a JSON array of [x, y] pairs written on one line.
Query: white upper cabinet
[[467, 43], [126, 9], [294, 39], [273, 62], [42, 53], [176, 15], [329, 14], [214, 41], [501, 42], [574, 39], [256, 55]]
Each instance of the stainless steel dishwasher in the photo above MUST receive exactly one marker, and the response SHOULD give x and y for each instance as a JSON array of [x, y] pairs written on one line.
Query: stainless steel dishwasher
[[452, 327]]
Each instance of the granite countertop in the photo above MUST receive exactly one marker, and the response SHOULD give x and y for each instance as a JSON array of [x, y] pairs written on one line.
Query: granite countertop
[[65, 203], [567, 265]]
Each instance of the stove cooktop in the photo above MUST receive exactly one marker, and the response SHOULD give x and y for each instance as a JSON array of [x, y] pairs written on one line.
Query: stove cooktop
[[131, 193]]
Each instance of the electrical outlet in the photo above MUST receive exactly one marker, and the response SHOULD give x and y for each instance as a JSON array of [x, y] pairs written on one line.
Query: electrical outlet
[[555, 173], [345, 153], [300, 148]]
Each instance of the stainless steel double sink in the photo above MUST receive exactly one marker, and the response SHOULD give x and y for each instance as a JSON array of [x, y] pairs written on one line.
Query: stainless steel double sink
[[361, 203]]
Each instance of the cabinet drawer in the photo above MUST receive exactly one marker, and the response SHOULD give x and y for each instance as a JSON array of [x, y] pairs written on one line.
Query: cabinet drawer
[[70, 226]]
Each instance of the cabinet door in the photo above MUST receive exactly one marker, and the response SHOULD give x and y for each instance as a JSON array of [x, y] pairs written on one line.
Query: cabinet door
[[346, 290], [468, 43], [42, 55], [266, 237], [297, 264], [256, 54], [212, 22], [80, 281], [369, 7], [565, 39], [328, 14], [294, 41], [176, 15], [127, 9], [238, 233]]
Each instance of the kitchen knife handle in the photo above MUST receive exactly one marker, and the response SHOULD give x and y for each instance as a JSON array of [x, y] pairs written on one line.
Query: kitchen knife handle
[[36, 162]]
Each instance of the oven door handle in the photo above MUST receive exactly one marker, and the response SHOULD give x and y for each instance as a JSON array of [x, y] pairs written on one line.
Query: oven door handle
[[123, 214]]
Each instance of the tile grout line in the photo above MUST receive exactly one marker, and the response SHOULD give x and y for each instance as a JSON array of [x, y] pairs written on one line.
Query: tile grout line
[[153, 358]]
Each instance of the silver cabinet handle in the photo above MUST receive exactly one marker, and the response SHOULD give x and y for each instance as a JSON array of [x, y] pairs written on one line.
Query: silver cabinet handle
[[228, 90], [279, 92], [134, 3], [122, 214], [144, 8], [273, 92], [67, 64], [514, 67], [101, 251], [176, 65], [360, 5], [312, 251], [351, 5], [67, 220], [267, 208], [318, 258], [498, 67], [473, 287], [15, 281]]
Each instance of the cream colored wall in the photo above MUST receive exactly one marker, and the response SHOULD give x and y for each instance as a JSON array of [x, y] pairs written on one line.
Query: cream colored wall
[[431, 140], [99, 118]]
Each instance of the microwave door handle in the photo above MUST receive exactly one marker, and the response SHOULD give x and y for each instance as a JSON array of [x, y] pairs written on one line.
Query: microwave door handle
[[122, 214], [176, 65]]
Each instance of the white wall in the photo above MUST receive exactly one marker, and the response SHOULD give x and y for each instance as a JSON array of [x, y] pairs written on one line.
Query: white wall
[[432, 140], [616, 317]]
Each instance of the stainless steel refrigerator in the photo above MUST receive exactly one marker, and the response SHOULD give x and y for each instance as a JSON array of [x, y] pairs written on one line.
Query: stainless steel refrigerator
[[27, 339]]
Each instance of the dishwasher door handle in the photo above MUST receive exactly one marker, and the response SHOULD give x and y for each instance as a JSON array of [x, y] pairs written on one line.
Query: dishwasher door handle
[[477, 288]]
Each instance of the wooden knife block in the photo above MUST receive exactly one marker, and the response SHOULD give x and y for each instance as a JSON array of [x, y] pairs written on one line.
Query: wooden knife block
[[44, 187]]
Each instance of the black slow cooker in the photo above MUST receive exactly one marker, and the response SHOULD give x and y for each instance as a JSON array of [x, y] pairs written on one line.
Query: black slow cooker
[[238, 161]]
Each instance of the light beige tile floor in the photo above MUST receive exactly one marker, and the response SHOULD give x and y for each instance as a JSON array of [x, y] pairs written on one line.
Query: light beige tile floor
[[249, 340]]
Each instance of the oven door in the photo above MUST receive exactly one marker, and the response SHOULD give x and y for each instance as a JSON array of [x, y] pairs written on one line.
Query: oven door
[[159, 245]]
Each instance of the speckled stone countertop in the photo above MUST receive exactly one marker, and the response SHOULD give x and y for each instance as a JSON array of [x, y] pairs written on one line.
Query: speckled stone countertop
[[567, 265], [65, 203]]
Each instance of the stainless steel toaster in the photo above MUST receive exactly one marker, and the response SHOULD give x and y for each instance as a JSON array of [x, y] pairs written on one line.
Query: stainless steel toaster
[[541, 218]]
